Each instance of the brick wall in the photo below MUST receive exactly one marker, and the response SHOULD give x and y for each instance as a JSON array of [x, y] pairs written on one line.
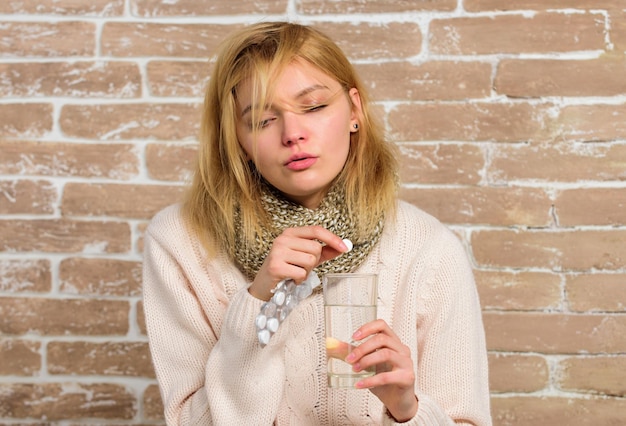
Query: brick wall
[[511, 117]]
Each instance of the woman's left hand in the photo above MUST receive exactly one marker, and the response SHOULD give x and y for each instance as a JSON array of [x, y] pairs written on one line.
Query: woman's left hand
[[394, 381]]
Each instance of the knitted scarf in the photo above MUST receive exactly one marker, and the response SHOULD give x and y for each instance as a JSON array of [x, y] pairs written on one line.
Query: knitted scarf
[[331, 214]]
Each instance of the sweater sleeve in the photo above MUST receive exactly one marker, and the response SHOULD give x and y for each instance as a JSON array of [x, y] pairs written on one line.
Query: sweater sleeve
[[452, 351], [246, 381], [209, 366], [452, 380]]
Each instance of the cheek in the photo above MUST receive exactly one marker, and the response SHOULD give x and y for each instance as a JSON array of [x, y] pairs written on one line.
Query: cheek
[[246, 142], [256, 150]]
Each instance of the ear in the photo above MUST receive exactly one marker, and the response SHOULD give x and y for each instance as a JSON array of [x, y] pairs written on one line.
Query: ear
[[355, 117]]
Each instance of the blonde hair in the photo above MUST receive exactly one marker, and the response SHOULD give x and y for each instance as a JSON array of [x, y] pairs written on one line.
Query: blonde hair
[[226, 181]]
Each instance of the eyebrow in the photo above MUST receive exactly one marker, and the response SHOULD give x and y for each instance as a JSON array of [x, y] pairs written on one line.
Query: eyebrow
[[300, 94]]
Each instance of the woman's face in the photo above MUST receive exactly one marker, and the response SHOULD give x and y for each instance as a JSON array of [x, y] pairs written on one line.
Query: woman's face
[[303, 136]]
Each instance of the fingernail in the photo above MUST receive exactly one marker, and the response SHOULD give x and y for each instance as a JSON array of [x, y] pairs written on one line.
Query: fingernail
[[358, 385], [357, 335], [350, 357]]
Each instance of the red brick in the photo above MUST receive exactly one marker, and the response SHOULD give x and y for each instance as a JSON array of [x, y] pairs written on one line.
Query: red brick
[[72, 79], [522, 291], [128, 359], [152, 403], [141, 318], [511, 5], [576, 163], [555, 333], [441, 163], [25, 120], [357, 6], [47, 39], [362, 40], [171, 162], [596, 292], [561, 77], [127, 39], [19, 357], [118, 200], [140, 231], [111, 161], [483, 205], [539, 33], [100, 277], [439, 80], [576, 250], [367, 40], [517, 373], [591, 206], [52, 401], [63, 316], [150, 8], [65, 7], [593, 374], [592, 123], [178, 78], [551, 411], [131, 121], [60, 235], [617, 32], [470, 122], [27, 197], [25, 275]]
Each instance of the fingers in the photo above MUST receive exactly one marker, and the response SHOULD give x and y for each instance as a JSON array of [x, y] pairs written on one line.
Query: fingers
[[381, 336], [332, 242], [394, 380], [384, 350], [293, 255], [307, 247], [304, 247], [402, 378]]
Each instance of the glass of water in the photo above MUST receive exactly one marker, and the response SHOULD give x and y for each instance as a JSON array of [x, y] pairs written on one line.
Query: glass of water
[[349, 302]]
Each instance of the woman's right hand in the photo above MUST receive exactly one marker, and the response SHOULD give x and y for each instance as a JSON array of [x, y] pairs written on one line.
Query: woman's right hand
[[293, 255]]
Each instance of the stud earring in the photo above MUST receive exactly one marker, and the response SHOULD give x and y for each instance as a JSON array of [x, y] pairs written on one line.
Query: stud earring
[[356, 126]]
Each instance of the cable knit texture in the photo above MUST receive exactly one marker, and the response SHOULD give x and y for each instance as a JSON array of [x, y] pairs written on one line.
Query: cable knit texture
[[211, 370]]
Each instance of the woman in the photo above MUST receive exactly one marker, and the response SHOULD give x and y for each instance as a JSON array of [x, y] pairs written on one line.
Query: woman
[[290, 164]]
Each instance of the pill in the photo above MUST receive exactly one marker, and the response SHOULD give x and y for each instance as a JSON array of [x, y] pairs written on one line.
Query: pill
[[261, 320], [279, 298], [272, 324], [348, 243], [264, 337]]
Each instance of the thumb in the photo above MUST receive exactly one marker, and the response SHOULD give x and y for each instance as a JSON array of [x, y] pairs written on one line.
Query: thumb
[[329, 252]]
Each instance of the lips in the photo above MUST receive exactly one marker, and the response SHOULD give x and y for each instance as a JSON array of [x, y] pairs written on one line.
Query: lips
[[300, 161]]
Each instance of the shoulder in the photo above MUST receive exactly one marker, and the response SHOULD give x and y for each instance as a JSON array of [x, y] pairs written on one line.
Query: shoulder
[[409, 216], [412, 231], [167, 221], [170, 229]]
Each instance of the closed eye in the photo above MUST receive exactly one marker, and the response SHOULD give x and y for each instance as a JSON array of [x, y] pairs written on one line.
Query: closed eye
[[262, 123], [313, 108], [266, 122]]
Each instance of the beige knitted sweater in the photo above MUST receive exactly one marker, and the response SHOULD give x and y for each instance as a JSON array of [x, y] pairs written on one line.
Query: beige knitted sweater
[[212, 371]]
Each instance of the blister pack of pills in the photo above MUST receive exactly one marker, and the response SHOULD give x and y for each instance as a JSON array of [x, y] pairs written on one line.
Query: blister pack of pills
[[287, 295]]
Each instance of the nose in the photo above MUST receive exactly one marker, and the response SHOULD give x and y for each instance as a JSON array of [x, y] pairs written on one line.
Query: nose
[[294, 131]]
